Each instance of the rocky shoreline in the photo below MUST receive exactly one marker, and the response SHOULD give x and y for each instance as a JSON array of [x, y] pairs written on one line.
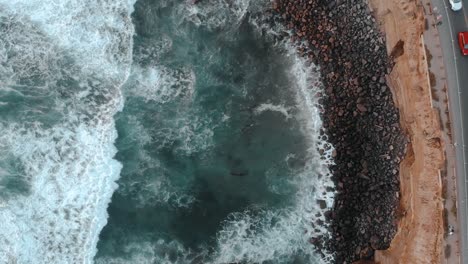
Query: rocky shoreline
[[359, 119]]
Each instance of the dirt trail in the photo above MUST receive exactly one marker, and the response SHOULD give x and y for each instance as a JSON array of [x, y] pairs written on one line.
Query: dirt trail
[[420, 228]]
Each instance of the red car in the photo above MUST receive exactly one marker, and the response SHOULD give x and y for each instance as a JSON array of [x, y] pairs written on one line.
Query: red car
[[463, 41]]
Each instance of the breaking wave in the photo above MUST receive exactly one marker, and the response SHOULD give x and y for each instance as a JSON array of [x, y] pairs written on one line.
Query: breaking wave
[[188, 189], [214, 127], [61, 67]]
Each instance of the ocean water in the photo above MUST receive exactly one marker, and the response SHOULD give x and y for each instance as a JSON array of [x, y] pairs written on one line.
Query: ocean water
[[157, 131]]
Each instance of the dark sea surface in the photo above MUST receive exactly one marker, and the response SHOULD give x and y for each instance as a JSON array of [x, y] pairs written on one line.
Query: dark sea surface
[[207, 123]]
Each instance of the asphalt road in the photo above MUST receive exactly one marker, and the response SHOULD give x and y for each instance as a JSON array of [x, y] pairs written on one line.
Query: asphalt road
[[457, 79]]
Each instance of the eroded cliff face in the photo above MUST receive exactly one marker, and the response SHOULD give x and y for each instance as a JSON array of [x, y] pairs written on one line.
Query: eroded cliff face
[[360, 119], [420, 228]]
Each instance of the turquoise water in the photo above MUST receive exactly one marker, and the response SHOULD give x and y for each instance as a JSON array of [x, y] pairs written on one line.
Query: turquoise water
[[223, 140], [207, 123]]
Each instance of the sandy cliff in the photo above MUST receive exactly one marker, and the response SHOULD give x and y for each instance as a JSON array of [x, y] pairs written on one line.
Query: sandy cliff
[[420, 228], [376, 191]]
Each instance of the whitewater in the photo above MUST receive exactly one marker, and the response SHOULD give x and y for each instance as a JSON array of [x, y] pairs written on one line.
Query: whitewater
[[142, 132], [61, 67]]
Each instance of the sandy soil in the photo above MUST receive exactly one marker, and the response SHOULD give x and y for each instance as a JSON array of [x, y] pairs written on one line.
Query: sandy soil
[[420, 227]]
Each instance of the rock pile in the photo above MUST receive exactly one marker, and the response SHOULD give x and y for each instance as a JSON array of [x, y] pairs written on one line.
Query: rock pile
[[360, 119]]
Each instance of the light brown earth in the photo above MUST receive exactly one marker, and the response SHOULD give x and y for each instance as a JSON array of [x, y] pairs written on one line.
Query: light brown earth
[[420, 227]]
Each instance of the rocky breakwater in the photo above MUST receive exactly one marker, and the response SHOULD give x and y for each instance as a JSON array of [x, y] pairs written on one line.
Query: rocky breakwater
[[360, 119]]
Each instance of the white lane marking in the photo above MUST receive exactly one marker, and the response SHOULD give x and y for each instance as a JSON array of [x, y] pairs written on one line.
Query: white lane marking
[[459, 109]]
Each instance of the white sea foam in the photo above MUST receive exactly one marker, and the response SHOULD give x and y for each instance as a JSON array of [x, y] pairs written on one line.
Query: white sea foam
[[268, 234], [215, 15], [161, 84], [69, 164], [278, 234], [70, 167], [18, 60], [96, 33], [72, 178], [152, 50], [251, 237], [271, 107], [308, 98], [149, 184]]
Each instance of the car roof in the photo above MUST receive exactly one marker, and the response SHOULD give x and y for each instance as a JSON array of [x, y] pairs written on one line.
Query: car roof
[[464, 36]]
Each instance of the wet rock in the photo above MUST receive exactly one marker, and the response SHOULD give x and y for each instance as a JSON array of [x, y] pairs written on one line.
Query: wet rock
[[359, 119], [361, 108]]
